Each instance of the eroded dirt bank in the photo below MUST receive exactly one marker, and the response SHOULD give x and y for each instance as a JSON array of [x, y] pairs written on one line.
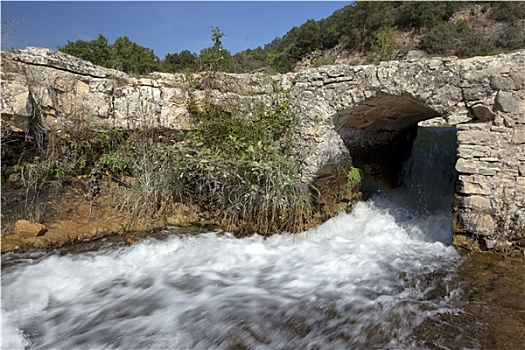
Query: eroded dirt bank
[[69, 217], [65, 215]]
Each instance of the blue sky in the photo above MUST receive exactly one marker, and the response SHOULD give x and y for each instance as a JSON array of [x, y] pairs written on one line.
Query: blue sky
[[163, 26]]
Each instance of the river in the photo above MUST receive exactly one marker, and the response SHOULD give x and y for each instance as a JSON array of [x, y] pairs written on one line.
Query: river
[[382, 276]]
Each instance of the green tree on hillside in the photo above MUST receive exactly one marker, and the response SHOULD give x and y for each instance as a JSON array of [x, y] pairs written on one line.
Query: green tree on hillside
[[216, 58], [367, 18], [96, 51], [425, 14], [512, 37], [383, 45], [441, 39], [364, 27], [123, 55], [185, 62], [508, 11], [131, 57], [251, 60]]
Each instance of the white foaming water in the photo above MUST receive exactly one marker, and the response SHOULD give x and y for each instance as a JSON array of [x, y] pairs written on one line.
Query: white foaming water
[[357, 281]]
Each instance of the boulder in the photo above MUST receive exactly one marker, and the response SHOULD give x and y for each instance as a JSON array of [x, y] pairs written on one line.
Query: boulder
[[25, 228]]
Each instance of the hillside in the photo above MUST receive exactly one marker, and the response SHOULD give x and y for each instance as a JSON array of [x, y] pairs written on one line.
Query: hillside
[[364, 32], [469, 29]]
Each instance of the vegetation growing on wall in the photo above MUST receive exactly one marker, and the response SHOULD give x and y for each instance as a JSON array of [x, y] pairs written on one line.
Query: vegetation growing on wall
[[238, 169]]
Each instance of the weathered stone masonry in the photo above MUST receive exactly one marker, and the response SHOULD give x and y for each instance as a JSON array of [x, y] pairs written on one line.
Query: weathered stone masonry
[[346, 111]]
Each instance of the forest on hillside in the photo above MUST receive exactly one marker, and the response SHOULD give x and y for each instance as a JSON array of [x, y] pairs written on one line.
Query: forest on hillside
[[370, 29]]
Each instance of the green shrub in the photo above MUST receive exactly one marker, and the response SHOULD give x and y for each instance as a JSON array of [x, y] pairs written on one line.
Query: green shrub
[[383, 45], [507, 10], [243, 169], [441, 39], [355, 178], [325, 61], [511, 38], [457, 39]]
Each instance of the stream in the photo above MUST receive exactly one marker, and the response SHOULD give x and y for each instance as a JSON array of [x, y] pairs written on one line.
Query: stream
[[382, 276]]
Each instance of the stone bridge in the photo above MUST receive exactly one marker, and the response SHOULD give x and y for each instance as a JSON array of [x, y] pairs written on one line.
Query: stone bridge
[[347, 113]]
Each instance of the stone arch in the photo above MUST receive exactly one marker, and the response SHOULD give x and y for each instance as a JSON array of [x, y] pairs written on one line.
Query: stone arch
[[379, 133]]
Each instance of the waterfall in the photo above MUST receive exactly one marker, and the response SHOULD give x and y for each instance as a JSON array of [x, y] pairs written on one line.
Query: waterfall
[[422, 201], [429, 176], [361, 280]]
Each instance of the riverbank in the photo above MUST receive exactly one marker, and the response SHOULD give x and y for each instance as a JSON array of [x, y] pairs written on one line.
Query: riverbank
[[65, 216], [490, 306]]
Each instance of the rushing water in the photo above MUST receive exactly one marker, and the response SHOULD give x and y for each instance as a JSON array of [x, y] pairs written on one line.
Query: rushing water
[[365, 279]]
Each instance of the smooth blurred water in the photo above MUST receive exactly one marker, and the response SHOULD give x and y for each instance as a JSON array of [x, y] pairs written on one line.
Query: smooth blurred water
[[361, 280]]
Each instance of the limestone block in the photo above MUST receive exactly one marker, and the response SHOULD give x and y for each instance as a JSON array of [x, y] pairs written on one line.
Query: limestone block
[[464, 166], [488, 171], [481, 224], [100, 105], [473, 151], [446, 96], [475, 93], [477, 203], [105, 86], [24, 228], [484, 225], [474, 184], [502, 83], [82, 88], [14, 98], [509, 102], [458, 118], [518, 134], [518, 77], [474, 137], [483, 113]]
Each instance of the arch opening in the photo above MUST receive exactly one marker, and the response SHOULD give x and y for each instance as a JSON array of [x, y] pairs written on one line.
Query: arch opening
[[380, 135]]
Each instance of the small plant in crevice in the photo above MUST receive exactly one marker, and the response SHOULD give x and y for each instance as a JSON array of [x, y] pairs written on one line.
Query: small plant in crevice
[[355, 179]]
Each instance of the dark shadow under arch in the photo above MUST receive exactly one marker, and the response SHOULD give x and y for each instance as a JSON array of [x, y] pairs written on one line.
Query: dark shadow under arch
[[379, 135]]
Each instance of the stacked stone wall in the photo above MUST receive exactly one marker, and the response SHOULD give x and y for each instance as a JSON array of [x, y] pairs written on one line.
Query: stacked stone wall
[[338, 106]]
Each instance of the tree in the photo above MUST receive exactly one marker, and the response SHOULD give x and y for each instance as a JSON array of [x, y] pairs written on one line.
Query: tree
[[512, 37], [368, 17], [213, 60], [132, 58], [440, 40], [216, 36], [123, 55], [216, 57], [425, 14], [183, 62], [383, 45], [250, 60], [96, 51], [188, 61], [171, 63], [508, 11]]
